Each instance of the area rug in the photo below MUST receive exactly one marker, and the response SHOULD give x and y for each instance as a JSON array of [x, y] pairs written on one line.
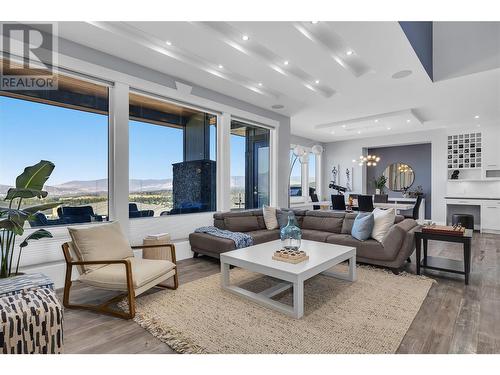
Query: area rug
[[370, 315]]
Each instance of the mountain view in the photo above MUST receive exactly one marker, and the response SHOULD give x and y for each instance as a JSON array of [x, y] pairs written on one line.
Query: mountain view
[[148, 194], [101, 186]]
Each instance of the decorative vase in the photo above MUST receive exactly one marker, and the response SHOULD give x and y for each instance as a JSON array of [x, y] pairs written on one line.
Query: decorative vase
[[291, 234], [377, 191]]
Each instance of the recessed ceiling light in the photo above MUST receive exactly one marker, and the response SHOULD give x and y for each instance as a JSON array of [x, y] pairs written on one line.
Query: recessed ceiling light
[[408, 121], [169, 43], [221, 66], [245, 37], [286, 62], [349, 52], [476, 116], [402, 74], [314, 22], [388, 128], [478, 125], [332, 132], [344, 126], [260, 83], [376, 120], [277, 106], [359, 131], [317, 81]]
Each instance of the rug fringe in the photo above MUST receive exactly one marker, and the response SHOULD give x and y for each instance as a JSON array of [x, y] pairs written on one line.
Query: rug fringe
[[169, 336]]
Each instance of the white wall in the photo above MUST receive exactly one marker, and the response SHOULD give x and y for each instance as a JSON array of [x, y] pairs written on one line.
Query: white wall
[[344, 152]]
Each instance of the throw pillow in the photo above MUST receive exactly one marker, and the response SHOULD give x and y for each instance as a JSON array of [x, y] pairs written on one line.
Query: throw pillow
[[384, 220], [270, 218], [363, 226], [100, 242]]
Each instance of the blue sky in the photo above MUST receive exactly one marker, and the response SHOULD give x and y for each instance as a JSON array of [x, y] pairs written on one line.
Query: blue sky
[[77, 142], [237, 155]]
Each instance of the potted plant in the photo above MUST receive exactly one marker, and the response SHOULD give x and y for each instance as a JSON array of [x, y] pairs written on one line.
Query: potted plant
[[29, 184], [379, 184]]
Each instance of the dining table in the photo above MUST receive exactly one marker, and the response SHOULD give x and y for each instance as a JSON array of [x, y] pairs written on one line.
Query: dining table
[[396, 206]]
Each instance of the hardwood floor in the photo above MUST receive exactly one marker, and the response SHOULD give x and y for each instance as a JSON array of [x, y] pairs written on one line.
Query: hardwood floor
[[453, 319]]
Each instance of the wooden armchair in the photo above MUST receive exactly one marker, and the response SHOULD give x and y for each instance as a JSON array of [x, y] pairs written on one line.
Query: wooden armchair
[[127, 274]]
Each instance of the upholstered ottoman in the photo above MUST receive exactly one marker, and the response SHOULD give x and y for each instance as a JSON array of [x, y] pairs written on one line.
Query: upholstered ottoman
[[31, 316]]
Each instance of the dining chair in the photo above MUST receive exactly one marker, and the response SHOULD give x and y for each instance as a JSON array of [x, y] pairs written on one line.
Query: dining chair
[[338, 202], [416, 209], [381, 198], [314, 198], [365, 203]]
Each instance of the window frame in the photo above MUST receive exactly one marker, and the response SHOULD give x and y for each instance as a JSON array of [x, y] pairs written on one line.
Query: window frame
[[135, 91], [93, 80]]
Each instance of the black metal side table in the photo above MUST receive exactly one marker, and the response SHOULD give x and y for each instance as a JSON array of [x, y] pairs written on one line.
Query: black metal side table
[[443, 264]]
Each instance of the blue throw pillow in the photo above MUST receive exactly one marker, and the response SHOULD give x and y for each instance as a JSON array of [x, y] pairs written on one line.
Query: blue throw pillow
[[363, 226]]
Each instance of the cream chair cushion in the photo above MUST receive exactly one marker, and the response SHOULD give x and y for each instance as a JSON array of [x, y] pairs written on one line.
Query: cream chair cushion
[[114, 276], [100, 242]]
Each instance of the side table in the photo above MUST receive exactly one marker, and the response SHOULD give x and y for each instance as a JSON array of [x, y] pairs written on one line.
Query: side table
[[443, 264]]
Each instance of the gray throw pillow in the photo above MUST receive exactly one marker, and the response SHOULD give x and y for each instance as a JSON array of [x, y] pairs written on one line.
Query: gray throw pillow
[[363, 226]]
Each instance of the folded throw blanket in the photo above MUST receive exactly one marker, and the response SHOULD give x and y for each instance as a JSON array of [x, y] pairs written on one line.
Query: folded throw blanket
[[240, 239]]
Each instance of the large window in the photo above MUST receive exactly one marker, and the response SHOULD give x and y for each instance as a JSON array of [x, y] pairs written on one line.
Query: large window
[[172, 158], [250, 162], [303, 179], [68, 127], [295, 176]]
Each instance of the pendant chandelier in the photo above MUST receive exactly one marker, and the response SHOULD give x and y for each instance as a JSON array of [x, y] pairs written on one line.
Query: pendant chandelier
[[369, 160], [404, 168]]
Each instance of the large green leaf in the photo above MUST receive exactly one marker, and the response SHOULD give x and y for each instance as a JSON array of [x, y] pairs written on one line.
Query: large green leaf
[[24, 193], [17, 215], [35, 176], [12, 226], [40, 207], [40, 233]]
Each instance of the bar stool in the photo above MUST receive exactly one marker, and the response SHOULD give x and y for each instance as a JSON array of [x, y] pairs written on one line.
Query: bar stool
[[465, 220]]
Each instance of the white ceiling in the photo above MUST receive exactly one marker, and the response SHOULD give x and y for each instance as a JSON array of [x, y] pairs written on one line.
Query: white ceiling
[[353, 89]]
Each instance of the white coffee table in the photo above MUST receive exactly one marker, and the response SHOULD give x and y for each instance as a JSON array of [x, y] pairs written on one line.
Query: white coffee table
[[258, 258]]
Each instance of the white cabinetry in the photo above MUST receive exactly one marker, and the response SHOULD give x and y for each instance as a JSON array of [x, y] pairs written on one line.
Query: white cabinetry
[[490, 216], [486, 212], [491, 153]]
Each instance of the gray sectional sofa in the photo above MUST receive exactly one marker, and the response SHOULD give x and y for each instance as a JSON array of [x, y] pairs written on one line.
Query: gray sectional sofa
[[324, 226]]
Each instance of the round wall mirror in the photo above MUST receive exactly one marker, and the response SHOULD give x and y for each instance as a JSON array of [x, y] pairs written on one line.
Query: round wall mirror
[[400, 176]]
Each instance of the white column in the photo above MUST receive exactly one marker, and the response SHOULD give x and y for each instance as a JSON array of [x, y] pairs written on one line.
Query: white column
[[304, 168], [224, 162], [273, 167], [319, 176], [118, 154]]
